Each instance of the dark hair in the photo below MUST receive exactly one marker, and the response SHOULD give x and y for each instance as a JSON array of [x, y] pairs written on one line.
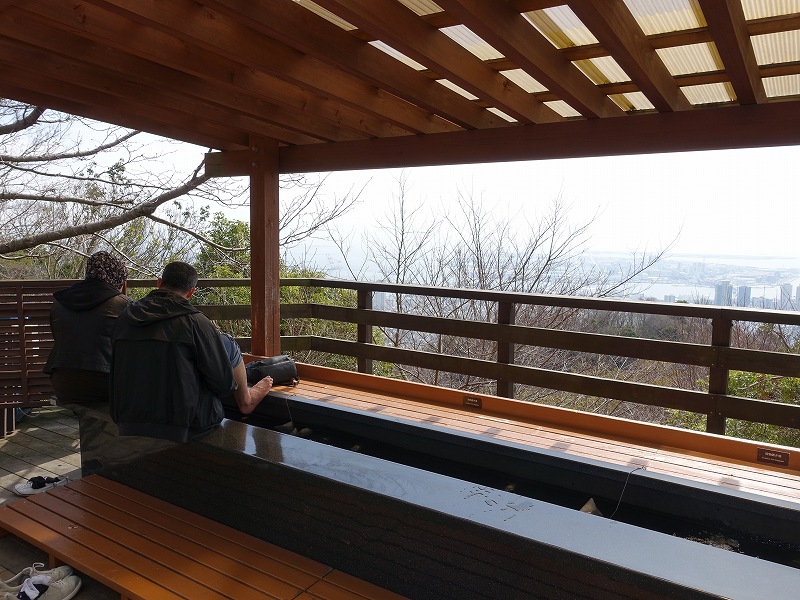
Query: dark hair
[[105, 267], [179, 277]]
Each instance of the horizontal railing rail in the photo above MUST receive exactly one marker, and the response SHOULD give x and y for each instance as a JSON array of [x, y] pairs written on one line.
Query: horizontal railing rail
[[717, 356]]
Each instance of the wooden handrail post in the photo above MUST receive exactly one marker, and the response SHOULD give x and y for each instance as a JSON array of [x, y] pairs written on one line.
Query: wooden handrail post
[[717, 375], [506, 314], [364, 331]]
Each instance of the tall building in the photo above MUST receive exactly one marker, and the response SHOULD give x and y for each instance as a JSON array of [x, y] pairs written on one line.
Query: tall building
[[743, 295], [723, 294], [785, 302]]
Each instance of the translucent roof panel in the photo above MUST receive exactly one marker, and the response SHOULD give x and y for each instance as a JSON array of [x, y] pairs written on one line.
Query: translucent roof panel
[[422, 7], [457, 89], [602, 70], [632, 101], [525, 81], [710, 93], [561, 26], [501, 114], [781, 47], [563, 109], [472, 42], [762, 9], [687, 60], [398, 55], [783, 86], [325, 14], [664, 16]]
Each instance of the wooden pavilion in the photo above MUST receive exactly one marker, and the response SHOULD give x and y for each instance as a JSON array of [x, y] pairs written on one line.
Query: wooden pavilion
[[292, 86]]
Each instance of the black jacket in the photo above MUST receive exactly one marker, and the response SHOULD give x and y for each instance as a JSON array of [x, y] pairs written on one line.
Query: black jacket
[[81, 319], [169, 370]]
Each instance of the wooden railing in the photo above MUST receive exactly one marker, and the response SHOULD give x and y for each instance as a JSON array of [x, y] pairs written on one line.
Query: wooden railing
[[718, 357]]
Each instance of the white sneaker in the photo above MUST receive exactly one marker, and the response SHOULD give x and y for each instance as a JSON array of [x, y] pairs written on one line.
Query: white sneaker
[[39, 484], [15, 583], [42, 587]]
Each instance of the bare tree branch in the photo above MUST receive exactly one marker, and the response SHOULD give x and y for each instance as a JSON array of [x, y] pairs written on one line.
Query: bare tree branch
[[195, 234], [6, 158], [29, 120], [143, 210]]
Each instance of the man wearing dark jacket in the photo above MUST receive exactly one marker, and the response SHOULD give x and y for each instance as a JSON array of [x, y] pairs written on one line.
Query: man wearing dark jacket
[[81, 320], [169, 365]]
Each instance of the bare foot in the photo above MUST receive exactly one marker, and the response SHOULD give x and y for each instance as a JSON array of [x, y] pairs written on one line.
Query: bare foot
[[260, 389]]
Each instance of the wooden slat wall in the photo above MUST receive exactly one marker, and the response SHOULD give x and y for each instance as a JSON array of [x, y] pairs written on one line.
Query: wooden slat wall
[[25, 341]]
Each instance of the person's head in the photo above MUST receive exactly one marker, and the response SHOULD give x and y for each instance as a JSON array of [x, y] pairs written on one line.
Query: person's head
[[103, 266], [179, 277]]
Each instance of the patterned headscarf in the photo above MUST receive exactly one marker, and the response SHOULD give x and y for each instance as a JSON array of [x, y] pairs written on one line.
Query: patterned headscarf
[[103, 266]]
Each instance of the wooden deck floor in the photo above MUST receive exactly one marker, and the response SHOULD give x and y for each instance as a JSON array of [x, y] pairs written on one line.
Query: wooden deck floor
[[45, 443]]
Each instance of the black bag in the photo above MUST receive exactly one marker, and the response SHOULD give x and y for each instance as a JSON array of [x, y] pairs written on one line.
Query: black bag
[[282, 369]]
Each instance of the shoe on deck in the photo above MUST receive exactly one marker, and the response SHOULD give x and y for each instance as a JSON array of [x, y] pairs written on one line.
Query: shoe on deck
[[43, 587], [15, 583], [38, 484]]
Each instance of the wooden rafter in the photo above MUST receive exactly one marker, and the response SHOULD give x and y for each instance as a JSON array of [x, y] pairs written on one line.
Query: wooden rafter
[[613, 25], [510, 33], [296, 27], [401, 29], [729, 30]]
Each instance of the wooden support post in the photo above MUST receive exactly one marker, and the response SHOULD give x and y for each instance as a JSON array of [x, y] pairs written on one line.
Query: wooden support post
[[717, 375], [506, 314], [364, 330], [264, 248]]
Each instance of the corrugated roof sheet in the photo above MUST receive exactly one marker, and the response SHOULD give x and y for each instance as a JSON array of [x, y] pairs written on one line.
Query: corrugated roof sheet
[[762, 9], [602, 70], [685, 60], [632, 101], [710, 93], [383, 47], [525, 81], [422, 7], [662, 16], [325, 14], [469, 40], [773, 48], [785, 85], [561, 26]]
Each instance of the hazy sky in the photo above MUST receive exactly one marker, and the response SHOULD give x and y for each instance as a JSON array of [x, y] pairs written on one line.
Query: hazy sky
[[740, 202]]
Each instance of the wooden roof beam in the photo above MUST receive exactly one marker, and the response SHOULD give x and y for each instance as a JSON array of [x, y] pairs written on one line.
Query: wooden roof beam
[[615, 28], [729, 30], [511, 34], [297, 27], [748, 126], [402, 29]]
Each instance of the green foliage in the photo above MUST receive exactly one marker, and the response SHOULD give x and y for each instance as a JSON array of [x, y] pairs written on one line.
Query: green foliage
[[758, 386]]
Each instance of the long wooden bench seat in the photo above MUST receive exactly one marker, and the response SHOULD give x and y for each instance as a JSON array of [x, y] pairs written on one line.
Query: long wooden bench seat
[[147, 549]]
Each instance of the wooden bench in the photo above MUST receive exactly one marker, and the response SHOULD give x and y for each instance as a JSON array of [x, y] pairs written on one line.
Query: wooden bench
[[145, 548]]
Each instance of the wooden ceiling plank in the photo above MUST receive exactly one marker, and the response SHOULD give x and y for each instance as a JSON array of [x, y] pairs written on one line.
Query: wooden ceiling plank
[[59, 67], [403, 30], [618, 32], [729, 30], [193, 24], [512, 35], [293, 25], [745, 126], [134, 70], [203, 74], [102, 113], [134, 111]]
